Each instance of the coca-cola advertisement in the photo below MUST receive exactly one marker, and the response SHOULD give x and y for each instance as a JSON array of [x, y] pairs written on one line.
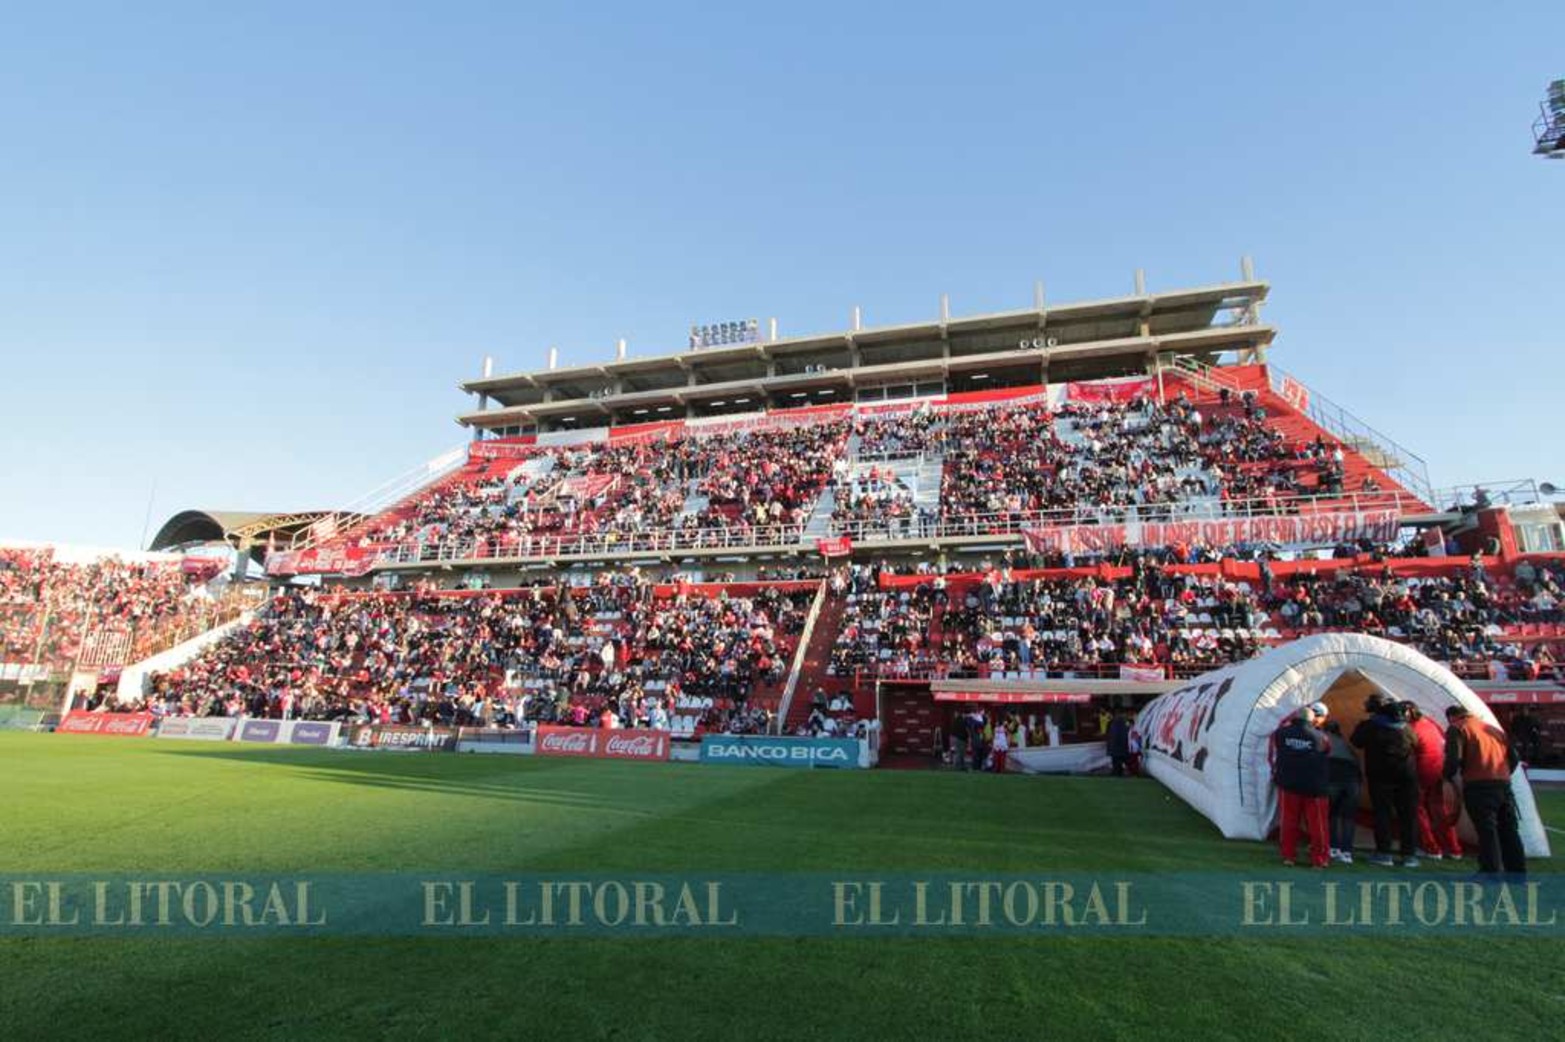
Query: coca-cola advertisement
[[122, 724], [604, 744]]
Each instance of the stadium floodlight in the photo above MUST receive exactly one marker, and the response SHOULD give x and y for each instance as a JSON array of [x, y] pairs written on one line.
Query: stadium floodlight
[[1549, 131]]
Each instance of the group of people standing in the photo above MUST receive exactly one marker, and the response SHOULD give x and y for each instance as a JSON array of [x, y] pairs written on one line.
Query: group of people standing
[[983, 741], [1408, 765]]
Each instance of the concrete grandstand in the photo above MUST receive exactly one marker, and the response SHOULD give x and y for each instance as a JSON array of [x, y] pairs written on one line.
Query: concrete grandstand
[[1064, 509]]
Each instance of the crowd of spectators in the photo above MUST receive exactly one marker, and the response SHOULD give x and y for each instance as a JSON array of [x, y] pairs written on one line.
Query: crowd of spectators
[[764, 479], [878, 501], [900, 436], [1099, 461], [609, 653], [745, 481], [1003, 465], [50, 609], [1182, 624]]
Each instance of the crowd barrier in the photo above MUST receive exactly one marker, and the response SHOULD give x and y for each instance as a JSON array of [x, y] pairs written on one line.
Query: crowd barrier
[[536, 740], [124, 725], [290, 732], [199, 728]]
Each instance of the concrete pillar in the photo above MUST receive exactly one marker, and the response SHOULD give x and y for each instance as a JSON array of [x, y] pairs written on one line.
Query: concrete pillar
[[554, 357], [1247, 268], [773, 324], [1037, 295], [1141, 282], [619, 350], [858, 318], [488, 366], [945, 308]]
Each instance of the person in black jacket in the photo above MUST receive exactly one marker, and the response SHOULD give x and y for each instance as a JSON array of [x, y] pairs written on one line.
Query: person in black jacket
[[1118, 741], [1391, 768], [1299, 754]]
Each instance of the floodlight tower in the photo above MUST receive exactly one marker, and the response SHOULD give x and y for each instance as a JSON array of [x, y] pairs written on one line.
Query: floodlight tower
[[1549, 130]]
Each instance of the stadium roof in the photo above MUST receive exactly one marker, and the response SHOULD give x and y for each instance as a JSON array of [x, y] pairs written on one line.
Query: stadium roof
[[232, 526], [1080, 341]]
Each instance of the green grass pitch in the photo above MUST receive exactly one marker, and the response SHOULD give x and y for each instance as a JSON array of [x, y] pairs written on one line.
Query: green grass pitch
[[71, 804]]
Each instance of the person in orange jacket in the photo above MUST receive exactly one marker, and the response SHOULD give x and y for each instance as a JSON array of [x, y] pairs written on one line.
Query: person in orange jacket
[[1482, 755], [1436, 828]]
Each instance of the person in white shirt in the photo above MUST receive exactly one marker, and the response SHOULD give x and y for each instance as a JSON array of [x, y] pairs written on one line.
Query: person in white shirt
[[1001, 747]]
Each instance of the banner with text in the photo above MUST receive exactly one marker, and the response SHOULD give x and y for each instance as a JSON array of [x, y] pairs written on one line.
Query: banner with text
[[617, 744], [200, 728], [400, 736], [764, 751], [1287, 530], [120, 724], [1112, 390], [289, 732]]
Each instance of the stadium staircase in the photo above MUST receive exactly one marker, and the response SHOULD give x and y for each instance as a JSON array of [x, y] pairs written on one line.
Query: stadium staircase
[[818, 526], [928, 476], [1366, 452], [812, 670]]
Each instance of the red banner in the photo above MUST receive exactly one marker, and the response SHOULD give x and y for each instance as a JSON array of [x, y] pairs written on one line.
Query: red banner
[[203, 568], [613, 744], [1522, 698], [322, 560], [1013, 696], [511, 448], [1112, 390], [125, 725], [1289, 530], [836, 546]]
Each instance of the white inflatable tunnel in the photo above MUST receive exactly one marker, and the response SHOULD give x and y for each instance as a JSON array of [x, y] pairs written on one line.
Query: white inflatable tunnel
[[1208, 741]]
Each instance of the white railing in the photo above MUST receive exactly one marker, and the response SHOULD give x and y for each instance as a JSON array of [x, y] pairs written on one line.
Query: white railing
[[785, 705], [1406, 467], [377, 501], [955, 526], [595, 544], [1510, 492]]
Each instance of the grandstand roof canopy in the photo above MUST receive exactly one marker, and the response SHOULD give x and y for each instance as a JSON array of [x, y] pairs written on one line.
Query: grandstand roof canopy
[[1088, 340], [235, 527]]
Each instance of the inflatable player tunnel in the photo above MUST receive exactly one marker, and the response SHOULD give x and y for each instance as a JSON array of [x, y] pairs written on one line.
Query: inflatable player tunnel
[[1208, 741]]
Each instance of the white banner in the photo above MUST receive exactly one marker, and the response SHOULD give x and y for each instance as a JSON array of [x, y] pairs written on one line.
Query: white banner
[[200, 728]]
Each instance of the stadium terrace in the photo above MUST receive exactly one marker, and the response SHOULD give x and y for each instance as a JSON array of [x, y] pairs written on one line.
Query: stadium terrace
[[1049, 515]]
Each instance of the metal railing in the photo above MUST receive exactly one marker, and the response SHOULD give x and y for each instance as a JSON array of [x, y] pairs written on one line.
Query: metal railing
[[594, 544], [1408, 468], [364, 510], [1510, 492], [956, 526], [800, 654]]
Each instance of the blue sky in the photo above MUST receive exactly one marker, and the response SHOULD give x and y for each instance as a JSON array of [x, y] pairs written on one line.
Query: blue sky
[[248, 253]]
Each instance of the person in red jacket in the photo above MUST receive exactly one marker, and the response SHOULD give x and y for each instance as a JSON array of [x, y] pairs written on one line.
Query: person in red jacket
[[1436, 826]]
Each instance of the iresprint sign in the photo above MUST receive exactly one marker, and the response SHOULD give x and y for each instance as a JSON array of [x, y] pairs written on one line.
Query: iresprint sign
[[763, 751]]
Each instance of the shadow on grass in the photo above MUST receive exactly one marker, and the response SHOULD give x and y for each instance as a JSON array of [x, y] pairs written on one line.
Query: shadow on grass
[[602, 786]]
